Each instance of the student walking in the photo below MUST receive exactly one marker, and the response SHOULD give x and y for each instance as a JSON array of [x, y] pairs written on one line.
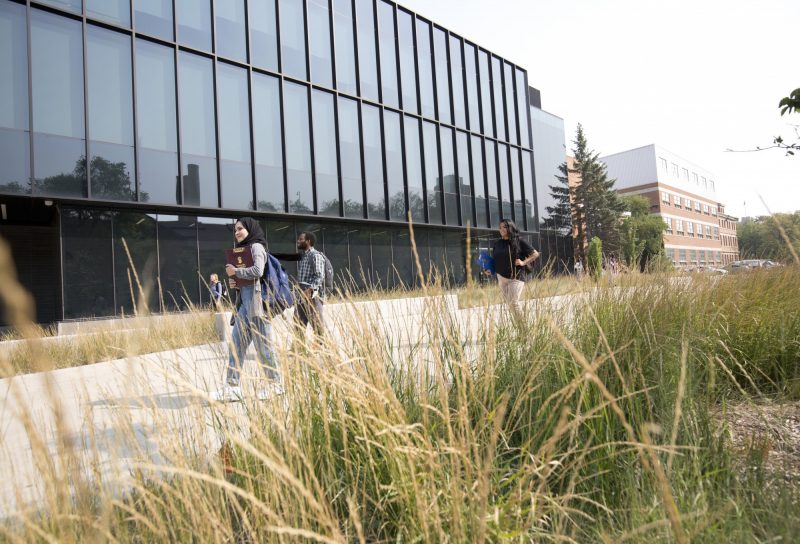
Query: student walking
[[310, 282], [511, 256]]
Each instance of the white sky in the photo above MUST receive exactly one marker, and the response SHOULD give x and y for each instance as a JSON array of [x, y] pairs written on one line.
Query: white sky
[[694, 76]]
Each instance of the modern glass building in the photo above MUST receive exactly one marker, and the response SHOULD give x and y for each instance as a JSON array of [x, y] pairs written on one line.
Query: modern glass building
[[132, 132]]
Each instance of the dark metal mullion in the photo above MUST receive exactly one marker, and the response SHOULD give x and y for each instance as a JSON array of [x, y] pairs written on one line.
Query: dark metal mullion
[[398, 72], [404, 166], [476, 57], [516, 110], [314, 204], [449, 72], [417, 82], [306, 41], [251, 132], [472, 182], [387, 214], [86, 131], [354, 19], [432, 48], [377, 49], [490, 77], [31, 158], [136, 177], [464, 89], [423, 169], [216, 102], [503, 92], [279, 49], [113, 265], [364, 199], [441, 173], [283, 149], [332, 32], [339, 179], [178, 128], [488, 197]]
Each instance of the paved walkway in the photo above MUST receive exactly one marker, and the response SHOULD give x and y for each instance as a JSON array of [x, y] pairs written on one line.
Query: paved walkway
[[102, 419]]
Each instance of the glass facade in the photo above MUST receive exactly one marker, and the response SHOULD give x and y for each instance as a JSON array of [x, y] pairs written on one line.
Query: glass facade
[[355, 111]]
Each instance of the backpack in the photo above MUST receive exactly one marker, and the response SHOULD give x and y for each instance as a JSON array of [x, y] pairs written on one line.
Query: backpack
[[276, 294], [327, 281]]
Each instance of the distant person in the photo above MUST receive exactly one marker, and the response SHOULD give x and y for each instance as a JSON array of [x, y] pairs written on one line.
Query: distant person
[[251, 323], [578, 269], [215, 286], [511, 256]]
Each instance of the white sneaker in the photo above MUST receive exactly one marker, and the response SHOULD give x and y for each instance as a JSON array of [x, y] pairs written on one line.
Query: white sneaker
[[274, 389], [228, 393]]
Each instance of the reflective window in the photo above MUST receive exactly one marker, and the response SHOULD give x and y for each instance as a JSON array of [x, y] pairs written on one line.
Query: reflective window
[[449, 179], [116, 11], [177, 256], [432, 180], [367, 58], [350, 158], [425, 59], [263, 36], [229, 27], [57, 78], [516, 184], [394, 165], [486, 93], [416, 188], [345, 47], [198, 141], [522, 108], [154, 17], [156, 125], [14, 136], [71, 5], [479, 182], [388, 54], [267, 142], [293, 38], [87, 258], [408, 72], [373, 162], [471, 73], [236, 179], [530, 209], [360, 256], [381, 246], [464, 178], [457, 78], [512, 114], [401, 258], [298, 148], [505, 181], [319, 38], [442, 75], [497, 91], [194, 23], [325, 163], [214, 236], [112, 172], [136, 258], [495, 210]]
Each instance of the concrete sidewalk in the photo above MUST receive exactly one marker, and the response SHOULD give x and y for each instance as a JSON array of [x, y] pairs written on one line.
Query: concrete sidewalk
[[106, 417]]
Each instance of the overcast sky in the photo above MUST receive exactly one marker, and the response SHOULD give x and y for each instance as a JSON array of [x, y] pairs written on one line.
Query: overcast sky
[[694, 76]]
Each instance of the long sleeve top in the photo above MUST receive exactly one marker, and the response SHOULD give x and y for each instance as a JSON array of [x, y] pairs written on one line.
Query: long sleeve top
[[251, 294]]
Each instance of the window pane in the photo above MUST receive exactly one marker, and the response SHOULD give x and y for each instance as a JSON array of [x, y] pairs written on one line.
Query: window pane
[[516, 183], [486, 93], [497, 91], [154, 17], [298, 148], [345, 48], [138, 230], [116, 11], [449, 180], [457, 78], [293, 38], [14, 136], [416, 189], [505, 182], [495, 212], [214, 236], [325, 165], [408, 72], [236, 178], [350, 158], [112, 170], [425, 59], [529, 190], [230, 29], [177, 251], [394, 165], [268, 143], [432, 180], [319, 36], [57, 77], [198, 151], [360, 257], [472, 88], [388, 54], [381, 245], [157, 132], [373, 162], [86, 247], [442, 75], [522, 108], [194, 23], [478, 182], [401, 258], [512, 115], [464, 178], [71, 5], [263, 36], [367, 60]]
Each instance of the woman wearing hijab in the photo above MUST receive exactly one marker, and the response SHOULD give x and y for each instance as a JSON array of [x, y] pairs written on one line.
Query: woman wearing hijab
[[251, 325], [511, 256]]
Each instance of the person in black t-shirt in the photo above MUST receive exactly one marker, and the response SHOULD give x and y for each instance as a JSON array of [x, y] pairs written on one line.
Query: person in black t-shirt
[[511, 255]]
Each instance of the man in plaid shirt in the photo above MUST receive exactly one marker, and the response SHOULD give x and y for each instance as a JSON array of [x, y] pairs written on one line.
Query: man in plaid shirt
[[310, 280]]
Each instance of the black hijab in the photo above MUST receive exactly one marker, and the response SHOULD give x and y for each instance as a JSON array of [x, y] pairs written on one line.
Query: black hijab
[[255, 235]]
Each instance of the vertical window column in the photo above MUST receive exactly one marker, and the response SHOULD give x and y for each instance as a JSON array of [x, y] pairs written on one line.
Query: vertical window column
[[508, 71], [394, 165], [298, 148], [425, 60], [229, 28], [433, 180], [495, 205], [194, 23], [350, 158], [449, 179], [319, 42], [457, 78], [367, 54], [408, 67], [325, 162], [345, 47], [293, 38], [388, 51], [497, 89], [442, 75], [14, 109], [373, 162], [233, 105], [268, 143], [464, 179], [479, 182], [486, 94], [473, 102], [414, 177], [523, 108], [261, 17]]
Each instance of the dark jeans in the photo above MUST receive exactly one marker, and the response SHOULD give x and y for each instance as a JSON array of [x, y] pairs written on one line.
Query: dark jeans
[[310, 311]]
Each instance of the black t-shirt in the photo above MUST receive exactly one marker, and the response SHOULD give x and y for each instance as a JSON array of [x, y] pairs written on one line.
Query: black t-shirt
[[504, 261]]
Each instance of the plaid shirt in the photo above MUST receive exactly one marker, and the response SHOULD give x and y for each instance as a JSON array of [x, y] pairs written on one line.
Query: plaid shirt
[[311, 270]]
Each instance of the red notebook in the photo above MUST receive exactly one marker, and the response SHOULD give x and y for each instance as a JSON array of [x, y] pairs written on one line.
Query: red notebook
[[240, 257]]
